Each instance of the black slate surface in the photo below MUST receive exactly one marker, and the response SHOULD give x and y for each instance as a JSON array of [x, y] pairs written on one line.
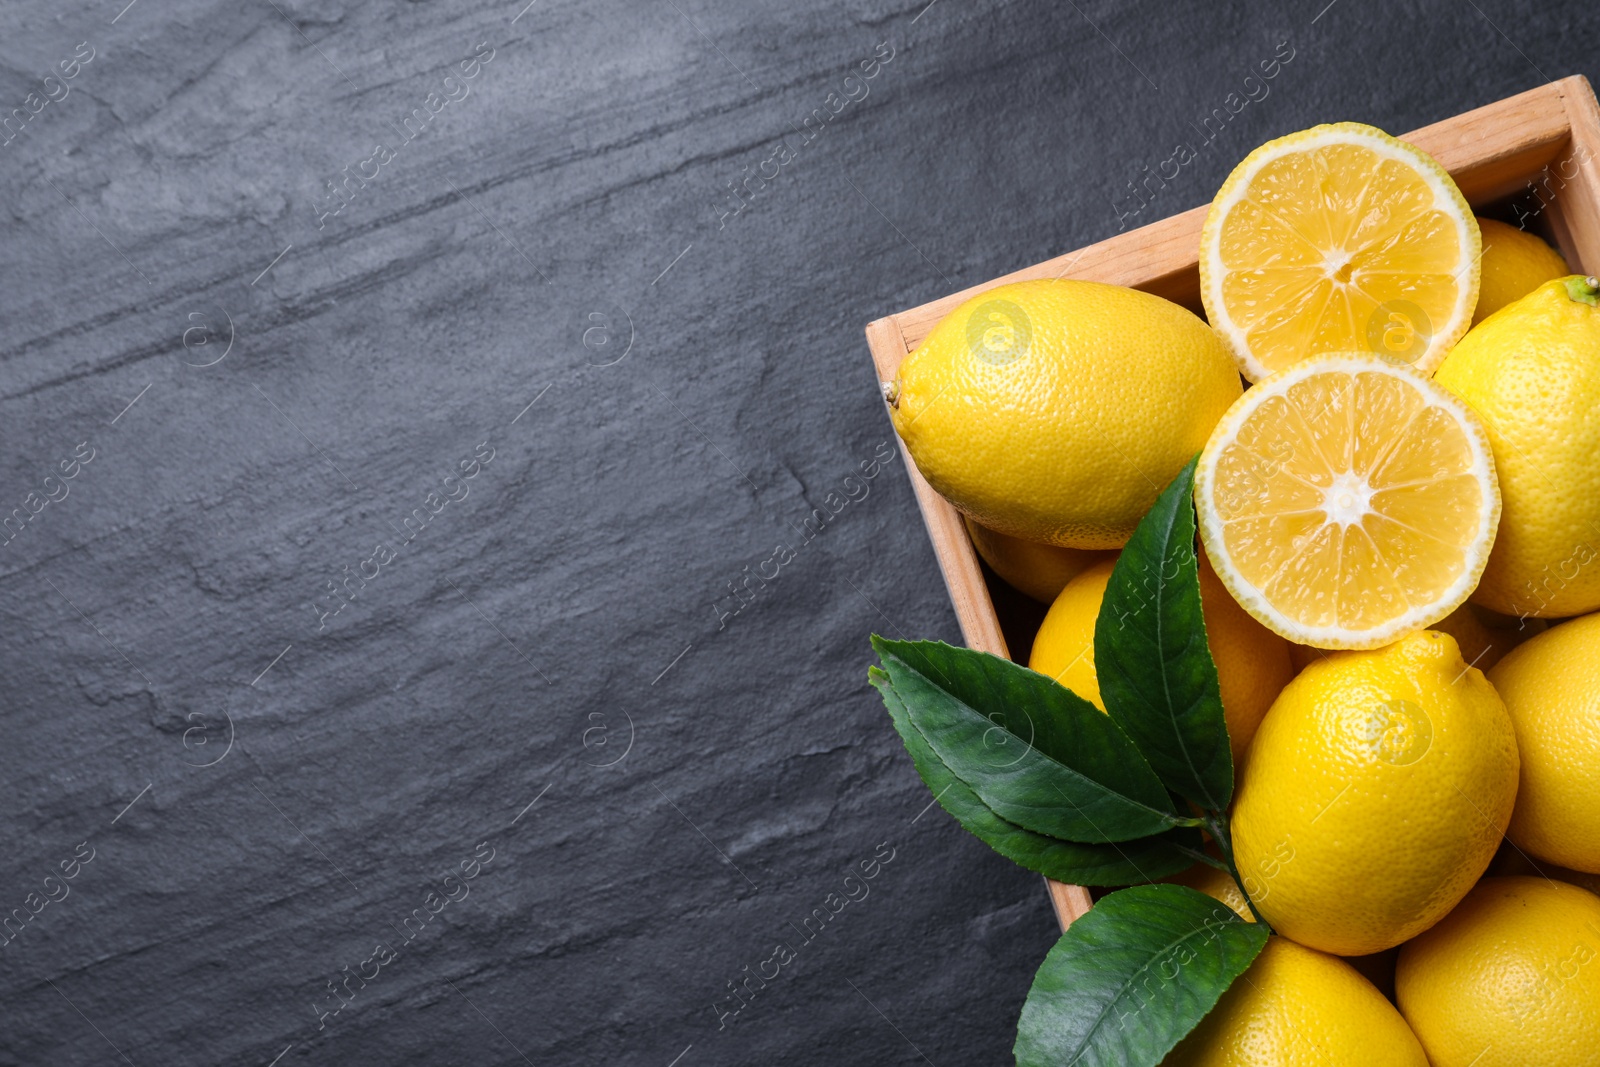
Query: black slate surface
[[542, 279]]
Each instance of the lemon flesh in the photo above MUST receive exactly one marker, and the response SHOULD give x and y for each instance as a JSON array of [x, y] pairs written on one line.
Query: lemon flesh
[[1339, 238], [1346, 501], [1056, 411], [1510, 978]]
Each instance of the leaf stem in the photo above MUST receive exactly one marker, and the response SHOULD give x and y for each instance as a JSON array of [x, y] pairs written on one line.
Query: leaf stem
[[1206, 858], [1217, 826]]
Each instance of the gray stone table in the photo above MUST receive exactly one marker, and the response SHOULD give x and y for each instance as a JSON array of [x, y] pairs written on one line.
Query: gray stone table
[[428, 376]]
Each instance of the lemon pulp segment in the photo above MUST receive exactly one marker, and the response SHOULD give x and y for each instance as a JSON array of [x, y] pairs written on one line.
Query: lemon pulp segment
[[1339, 239], [1346, 502]]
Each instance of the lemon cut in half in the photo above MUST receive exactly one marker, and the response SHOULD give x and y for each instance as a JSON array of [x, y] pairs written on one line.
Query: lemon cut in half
[[1339, 238], [1346, 502]]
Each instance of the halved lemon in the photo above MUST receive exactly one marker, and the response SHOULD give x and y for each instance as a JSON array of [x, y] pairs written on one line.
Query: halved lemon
[[1339, 238], [1346, 502]]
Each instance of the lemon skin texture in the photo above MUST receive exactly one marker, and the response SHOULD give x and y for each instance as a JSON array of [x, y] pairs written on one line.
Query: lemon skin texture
[[1056, 411], [1252, 662], [1531, 372], [1374, 795], [1297, 1007], [1378, 969], [1511, 978], [1511, 861], [1219, 885], [1483, 636], [1037, 571], [1480, 645], [1515, 263], [1551, 686], [1064, 646]]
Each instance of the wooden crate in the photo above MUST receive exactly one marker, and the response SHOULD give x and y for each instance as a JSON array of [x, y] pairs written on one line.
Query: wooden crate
[[1541, 147]]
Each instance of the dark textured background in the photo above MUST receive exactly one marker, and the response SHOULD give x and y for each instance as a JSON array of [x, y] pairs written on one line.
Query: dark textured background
[[554, 635]]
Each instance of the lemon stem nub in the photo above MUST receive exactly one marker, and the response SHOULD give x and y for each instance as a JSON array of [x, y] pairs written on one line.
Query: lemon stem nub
[[891, 391], [1584, 290]]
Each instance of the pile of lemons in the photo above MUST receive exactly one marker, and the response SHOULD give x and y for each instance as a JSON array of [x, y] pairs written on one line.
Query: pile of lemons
[[1399, 515]]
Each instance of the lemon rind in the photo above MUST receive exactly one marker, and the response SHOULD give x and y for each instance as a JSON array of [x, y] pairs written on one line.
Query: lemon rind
[[1447, 197], [1251, 598]]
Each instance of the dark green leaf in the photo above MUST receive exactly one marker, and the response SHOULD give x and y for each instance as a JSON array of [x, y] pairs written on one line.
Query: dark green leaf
[[1128, 980], [1157, 678], [1127, 863], [1036, 754]]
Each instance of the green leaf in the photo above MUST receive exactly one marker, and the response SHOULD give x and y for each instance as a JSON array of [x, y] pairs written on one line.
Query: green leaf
[[1129, 979], [1127, 863], [1036, 754], [1157, 679]]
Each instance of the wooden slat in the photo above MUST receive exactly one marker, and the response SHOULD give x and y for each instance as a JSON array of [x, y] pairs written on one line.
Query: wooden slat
[[1491, 152], [1070, 901], [1576, 208]]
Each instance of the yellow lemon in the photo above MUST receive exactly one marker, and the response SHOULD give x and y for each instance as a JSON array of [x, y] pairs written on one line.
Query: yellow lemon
[[1303, 656], [1339, 239], [1039, 571], [1532, 374], [1375, 794], [1347, 501], [1064, 646], [1551, 686], [1581, 879], [1476, 642], [1252, 661], [1216, 884], [1511, 860], [1510, 978], [1483, 636], [1056, 411], [1377, 968], [1515, 263], [1509, 629], [1297, 1007]]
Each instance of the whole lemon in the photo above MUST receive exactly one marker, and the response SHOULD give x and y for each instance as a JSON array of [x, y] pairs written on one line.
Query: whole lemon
[[1303, 656], [1515, 263], [1297, 1007], [1479, 646], [1512, 861], [1036, 570], [1252, 662], [1532, 374], [1510, 978], [1217, 884], [1581, 879], [1551, 686], [1064, 646], [1377, 968], [1374, 795], [1483, 636], [1056, 411]]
